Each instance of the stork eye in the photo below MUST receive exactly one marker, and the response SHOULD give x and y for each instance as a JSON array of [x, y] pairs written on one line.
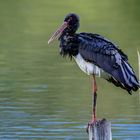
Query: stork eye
[[69, 19]]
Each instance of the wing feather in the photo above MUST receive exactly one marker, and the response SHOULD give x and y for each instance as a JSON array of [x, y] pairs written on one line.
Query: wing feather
[[106, 55]]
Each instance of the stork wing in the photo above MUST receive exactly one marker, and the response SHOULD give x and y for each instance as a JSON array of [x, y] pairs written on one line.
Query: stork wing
[[105, 54]]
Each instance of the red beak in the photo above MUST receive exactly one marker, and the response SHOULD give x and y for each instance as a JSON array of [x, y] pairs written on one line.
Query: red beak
[[58, 32]]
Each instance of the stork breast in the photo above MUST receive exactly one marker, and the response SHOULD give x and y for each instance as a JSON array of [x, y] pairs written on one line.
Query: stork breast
[[87, 67]]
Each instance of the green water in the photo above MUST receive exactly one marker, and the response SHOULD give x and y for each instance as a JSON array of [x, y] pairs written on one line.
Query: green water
[[46, 97]]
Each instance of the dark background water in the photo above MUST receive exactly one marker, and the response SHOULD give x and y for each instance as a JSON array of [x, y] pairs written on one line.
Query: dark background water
[[43, 96]]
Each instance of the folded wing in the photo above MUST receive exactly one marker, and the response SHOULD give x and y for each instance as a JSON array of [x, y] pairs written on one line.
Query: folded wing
[[106, 55]]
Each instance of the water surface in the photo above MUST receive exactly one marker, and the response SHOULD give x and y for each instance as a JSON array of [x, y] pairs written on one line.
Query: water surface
[[43, 96]]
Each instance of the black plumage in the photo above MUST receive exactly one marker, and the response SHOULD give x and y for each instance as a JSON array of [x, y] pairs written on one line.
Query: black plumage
[[99, 51], [107, 56]]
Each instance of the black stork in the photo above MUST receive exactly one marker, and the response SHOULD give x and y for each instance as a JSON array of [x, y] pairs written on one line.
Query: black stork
[[96, 56]]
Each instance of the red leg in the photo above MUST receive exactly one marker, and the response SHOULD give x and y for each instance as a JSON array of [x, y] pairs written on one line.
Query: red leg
[[94, 98], [94, 91]]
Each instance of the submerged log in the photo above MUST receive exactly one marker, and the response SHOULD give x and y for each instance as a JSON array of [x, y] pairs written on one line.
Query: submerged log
[[100, 130]]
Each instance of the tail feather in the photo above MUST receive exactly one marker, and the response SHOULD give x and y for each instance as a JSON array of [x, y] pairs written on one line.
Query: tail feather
[[130, 77], [125, 78]]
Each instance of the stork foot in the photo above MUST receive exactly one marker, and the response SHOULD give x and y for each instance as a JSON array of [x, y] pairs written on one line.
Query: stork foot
[[90, 124]]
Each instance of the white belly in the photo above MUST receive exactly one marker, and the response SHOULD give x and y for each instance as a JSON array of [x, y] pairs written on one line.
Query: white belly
[[89, 68]]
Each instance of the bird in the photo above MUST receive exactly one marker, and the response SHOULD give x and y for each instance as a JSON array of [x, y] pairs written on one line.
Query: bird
[[95, 55]]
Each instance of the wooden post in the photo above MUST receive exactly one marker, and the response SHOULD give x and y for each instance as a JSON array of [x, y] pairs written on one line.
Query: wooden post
[[100, 130]]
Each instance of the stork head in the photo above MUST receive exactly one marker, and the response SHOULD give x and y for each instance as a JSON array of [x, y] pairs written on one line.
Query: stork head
[[72, 21], [69, 26]]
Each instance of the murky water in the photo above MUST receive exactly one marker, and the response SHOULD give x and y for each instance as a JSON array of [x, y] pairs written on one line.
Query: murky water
[[43, 96]]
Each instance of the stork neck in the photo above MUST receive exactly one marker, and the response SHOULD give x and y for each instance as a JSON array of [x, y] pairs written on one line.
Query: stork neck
[[68, 33]]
